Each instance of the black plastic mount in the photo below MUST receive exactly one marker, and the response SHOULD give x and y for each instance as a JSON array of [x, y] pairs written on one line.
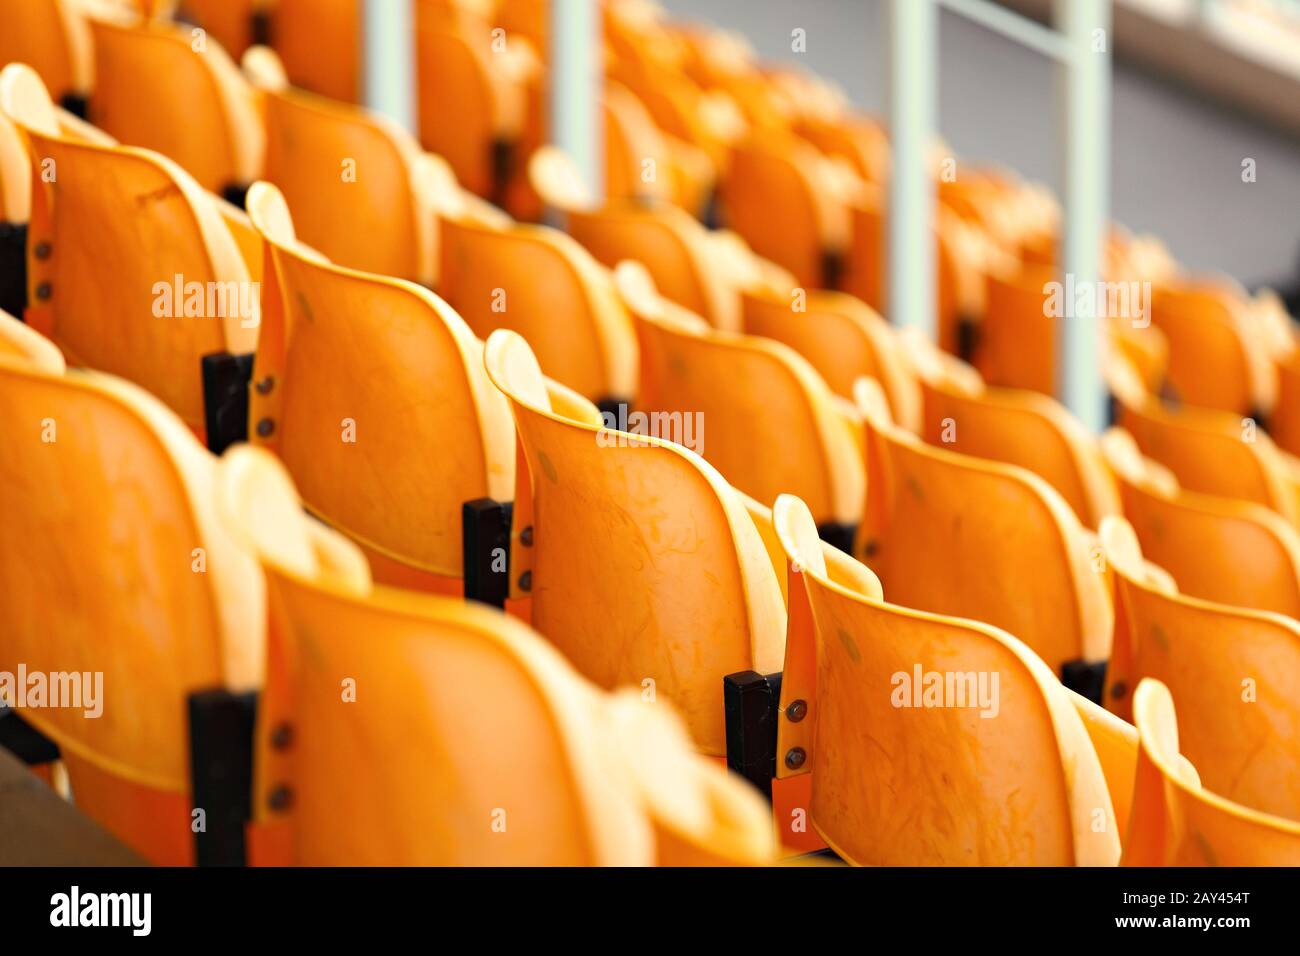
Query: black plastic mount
[[24, 741], [225, 398], [1085, 678], [236, 194], [838, 535], [504, 157], [968, 337], [832, 268], [751, 704], [486, 535], [221, 773], [78, 104], [13, 268]]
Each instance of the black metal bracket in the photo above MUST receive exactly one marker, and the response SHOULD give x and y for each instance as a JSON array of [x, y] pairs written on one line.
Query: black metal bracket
[[832, 268], [261, 27], [221, 773], [504, 158], [78, 104], [13, 268], [968, 337], [1085, 678], [486, 530], [838, 535], [236, 194], [225, 398], [751, 705], [24, 741]]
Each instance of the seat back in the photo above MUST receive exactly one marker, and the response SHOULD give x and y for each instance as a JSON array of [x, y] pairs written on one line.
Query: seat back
[[1211, 452], [1015, 426], [456, 736], [772, 424], [1017, 344], [1217, 549], [974, 538], [122, 589], [842, 337], [1177, 822], [320, 44], [644, 567], [350, 178], [1208, 361], [130, 266], [161, 87], [540, 283], [372, 392], [1234, 672], [955, 726], [52, 37]]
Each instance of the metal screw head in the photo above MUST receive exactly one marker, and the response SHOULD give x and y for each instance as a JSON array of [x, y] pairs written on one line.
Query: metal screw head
[[1118, 689], [797, 711], [282, 736], [526, 537], [526, 581], [265, 426], [42, 250], [265, 385], [794, 757], [869, 548], [44, 291], [281, 798]]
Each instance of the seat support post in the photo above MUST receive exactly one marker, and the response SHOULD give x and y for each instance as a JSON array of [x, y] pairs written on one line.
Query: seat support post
[[24, 741], [486, 536], [1085, 678], [225, 398], [221, 774], [751, 704]]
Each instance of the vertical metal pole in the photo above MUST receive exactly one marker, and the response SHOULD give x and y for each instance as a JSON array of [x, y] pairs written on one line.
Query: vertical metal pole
[[1085, 79], [913, 67], [388, 59], [577, 123]]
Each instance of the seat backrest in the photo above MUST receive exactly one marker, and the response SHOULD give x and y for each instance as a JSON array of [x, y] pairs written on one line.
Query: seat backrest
[[975, 538], [131, 268], [467, 739], [842, 337], [1015, 426], [760, 413], [772, 199], [954, 726], [428, 430], [320, 44], [52, 37], [233, 22], [644, 566], [350, 178], [1217, 549], [540, 283], [1208, 361], [119, 580], [1211, 452], [1177, 822], [1234, 672], [1017, 344], [174, 90]]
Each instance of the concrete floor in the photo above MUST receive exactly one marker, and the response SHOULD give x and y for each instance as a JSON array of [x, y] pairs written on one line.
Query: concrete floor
[[1176, 160]]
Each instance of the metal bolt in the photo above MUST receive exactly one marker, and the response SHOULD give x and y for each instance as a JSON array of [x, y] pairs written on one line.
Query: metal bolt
[[265, 426], [797, 711], [1118, 689], [42, 250], [44, 291], [265, 385], [281, 798], [526, 581], [869, 548], [795, 757], [526, 537], [282, 736]]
